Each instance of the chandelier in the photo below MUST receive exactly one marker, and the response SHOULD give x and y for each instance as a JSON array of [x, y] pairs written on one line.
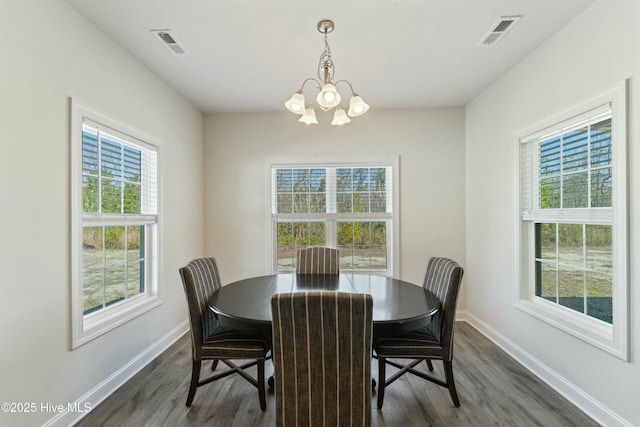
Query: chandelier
[[328, 97]]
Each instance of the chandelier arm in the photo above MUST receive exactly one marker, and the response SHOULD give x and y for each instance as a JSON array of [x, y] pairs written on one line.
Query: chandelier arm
[[315, 91], [318, 84], [347, 82]]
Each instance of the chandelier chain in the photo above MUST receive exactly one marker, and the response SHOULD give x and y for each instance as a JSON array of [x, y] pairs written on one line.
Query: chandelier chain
[[326, 68]]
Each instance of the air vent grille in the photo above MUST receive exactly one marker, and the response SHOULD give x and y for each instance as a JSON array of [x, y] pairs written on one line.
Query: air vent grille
[[499, 29], [502, 26], [166, 37], [169, 40]]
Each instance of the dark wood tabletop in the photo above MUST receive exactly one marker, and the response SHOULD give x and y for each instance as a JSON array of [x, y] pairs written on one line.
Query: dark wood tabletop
[[246, 304]]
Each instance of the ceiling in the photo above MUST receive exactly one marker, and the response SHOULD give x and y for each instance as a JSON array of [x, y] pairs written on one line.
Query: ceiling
[[251, 56]]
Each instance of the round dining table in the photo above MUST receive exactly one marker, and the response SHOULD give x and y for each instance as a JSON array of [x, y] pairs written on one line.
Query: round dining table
[[397, 304]]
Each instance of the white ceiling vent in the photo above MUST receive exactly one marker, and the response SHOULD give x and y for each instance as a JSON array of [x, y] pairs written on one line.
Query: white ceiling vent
[[499, 29], [169, 40]]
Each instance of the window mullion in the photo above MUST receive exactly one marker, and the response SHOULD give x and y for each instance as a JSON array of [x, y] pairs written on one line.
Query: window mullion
[[557, 261], [584, 266], [330, 191], [99, 189], [331, 231], [121, 179], [588, 169], [562, 170], [104, 267], [126, 262]]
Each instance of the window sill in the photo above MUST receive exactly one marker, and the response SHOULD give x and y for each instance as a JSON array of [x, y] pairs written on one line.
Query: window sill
[[92, 326], [592, 331]]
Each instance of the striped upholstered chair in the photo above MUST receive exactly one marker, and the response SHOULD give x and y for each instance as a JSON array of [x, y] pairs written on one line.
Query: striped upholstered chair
[[322, 358], [432, 342], [210, 340], [318, 260]]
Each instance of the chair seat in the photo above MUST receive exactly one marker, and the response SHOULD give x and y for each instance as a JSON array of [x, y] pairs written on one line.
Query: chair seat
[[233, 344], [415, 344]]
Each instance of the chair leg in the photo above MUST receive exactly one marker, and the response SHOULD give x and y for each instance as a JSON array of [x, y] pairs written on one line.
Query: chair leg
[[382, 379], [195, 376], [429, 364], [261, 392], [451, 385]]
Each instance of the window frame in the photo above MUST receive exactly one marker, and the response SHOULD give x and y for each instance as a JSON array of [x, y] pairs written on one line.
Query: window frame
[[393, 231], [612, 338], [86, 327]]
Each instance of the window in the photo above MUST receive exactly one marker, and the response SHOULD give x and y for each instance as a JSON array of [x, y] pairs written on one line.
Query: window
[[114, 224], [573, 222], [349, 207]]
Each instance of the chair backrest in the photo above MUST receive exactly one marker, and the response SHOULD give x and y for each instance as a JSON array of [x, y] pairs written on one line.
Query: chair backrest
[[318, 260], [200, 279], [443, 278], [322, 358]]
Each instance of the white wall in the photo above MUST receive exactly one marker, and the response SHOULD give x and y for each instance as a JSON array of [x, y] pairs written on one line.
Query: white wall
[[48, 54], [429, 143], [600, 48]]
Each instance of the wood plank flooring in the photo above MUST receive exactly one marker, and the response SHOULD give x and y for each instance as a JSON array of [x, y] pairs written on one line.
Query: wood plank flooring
[[494, 390]]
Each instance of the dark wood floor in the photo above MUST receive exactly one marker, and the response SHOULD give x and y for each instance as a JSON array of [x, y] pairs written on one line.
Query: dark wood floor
[[494, 390]]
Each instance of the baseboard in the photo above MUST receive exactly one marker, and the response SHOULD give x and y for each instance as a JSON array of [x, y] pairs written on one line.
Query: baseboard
[[575, 395], [461, 315], [103, 390]]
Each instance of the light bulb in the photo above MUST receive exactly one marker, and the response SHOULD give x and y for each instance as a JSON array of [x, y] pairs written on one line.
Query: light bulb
[[328, 97]]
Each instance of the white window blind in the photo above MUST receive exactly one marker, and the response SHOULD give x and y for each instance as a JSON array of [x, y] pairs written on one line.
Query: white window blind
[[320, 193], [566, 170], [114, 168]]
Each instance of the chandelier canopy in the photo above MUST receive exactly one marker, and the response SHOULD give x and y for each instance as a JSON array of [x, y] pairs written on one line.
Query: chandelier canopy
[[328, 97]]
